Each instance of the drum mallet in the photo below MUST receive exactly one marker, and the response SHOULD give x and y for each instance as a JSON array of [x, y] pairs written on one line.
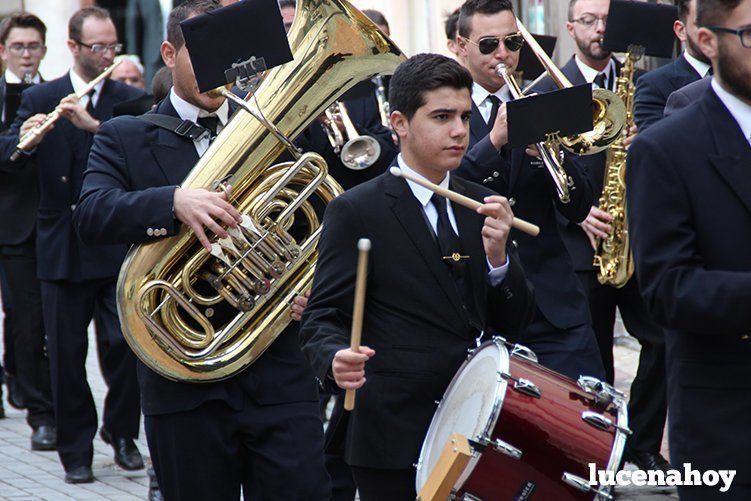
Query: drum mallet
[[363, 245]]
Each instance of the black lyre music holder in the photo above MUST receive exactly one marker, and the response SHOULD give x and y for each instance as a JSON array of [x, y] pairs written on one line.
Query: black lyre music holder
[[632, 25]]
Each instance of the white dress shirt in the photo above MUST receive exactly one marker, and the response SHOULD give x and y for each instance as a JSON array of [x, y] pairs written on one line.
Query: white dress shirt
[[480, 98], [188, 111], [740, 110], [701, 67], [79, 85], [423, 195], [590, 73]]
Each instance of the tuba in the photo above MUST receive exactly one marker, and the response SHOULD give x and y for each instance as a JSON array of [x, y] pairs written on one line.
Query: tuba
[[613, 258], [199, 316]]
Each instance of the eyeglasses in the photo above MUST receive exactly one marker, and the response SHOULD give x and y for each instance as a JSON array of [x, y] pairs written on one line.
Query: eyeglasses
[[97, 48], [488, 45], [590, 20], [17, 49], [744, 34]]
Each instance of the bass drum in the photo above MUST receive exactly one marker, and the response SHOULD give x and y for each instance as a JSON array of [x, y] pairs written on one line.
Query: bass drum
[[533, 432]]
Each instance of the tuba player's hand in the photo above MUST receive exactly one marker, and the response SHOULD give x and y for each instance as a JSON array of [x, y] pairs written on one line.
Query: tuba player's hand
[[202, 209]]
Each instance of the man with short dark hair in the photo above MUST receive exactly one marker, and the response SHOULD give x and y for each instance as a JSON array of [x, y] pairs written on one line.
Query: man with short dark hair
[[422, 311], [654, 88], [78, 280], [689, 199], [259, 430], [452, 28], [22, 48], [561, 332], [647, 405]]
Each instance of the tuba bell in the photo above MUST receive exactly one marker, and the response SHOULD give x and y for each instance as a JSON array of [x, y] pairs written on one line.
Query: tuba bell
[[200, 316]]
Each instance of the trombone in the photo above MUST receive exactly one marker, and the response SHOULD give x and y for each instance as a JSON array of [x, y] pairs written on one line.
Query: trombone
[[548, 152], [357, 151], [608, 109], [51, 118]]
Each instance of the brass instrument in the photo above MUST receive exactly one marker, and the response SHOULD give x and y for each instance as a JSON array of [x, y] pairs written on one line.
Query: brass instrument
[[549, 152], [196, 316], [609, 112], [384, 110], [23, 144], [357, 151], [613, 257]]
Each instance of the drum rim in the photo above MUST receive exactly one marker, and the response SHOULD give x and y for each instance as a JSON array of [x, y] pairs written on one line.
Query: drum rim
[[504, 368]]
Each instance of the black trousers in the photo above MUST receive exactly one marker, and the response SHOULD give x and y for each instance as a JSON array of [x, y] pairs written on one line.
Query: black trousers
[[68, 309], [647, 407], [572, 352], [8, 358], [342, 483], [26, 347], [214, 451], [374, 484]]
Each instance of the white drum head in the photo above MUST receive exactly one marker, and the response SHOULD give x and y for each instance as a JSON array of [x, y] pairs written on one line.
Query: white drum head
[[470, 406]]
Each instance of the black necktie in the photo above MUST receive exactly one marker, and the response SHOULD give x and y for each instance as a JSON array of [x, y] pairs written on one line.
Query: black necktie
[[452, 252], [211, 123], [90, 104], [600, 80], [495, 104]]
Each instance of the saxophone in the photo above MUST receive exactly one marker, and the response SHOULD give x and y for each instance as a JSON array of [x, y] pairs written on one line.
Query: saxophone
[[613, 257]]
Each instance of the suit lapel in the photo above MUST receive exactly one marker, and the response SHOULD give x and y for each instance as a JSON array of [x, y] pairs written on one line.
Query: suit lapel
[[732, 159], [573, 73], [106, 101], [408, 212], [683, 73], [175, 155]]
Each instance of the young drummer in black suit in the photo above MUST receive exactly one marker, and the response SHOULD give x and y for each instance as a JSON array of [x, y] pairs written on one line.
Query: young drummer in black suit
[[689, 200], [653, 90], [422, 311], [561, 330], [259, 429], [647, 407], [77, 279]]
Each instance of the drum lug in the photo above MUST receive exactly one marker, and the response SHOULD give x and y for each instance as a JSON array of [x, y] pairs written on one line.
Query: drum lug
[[524, 352], [500, 446], [604, 393], [583, 485], [522, 385], [602, 423]]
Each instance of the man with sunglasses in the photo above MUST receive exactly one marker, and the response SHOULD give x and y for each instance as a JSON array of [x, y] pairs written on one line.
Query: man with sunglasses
[[22, 48], [689, 199], [593, 64], [560, 332], [78, 280]]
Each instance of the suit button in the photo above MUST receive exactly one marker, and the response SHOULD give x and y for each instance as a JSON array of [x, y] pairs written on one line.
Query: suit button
[[512, 201], [73, 207], [150, 232], [163, 231], [507, 292], [64, 179], [515, 244], [496, 174]]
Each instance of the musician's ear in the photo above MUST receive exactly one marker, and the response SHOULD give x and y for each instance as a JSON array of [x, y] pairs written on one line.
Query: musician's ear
[[169, 54], [73, 47], [707, 42], [680, 30], [399, 123]]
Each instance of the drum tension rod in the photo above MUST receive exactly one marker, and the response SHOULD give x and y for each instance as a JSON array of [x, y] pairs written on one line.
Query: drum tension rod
[[522, 385], [583, 485], [499, 445], [602, 422]]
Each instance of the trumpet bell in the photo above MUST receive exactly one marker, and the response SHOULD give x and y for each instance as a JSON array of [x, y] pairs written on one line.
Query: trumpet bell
[[361, 152], [609, 118]]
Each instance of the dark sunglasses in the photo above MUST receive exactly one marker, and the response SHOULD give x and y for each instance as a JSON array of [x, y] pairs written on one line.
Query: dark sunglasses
[[488, 45]]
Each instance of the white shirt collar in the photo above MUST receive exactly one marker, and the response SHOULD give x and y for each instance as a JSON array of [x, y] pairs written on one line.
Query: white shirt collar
[[422, 194], [480, 94], [12, 78], [79, 86], [590, 73], [188, 111], [701, 67], [740, 110]]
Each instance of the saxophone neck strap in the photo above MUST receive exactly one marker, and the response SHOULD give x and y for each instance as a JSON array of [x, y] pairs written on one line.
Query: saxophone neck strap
[[183, 128]]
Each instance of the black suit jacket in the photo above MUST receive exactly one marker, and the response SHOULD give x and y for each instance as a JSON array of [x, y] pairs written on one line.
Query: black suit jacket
[[526, 182], [19, 196], [686, 95], [655, 87], [61, 159], [133, 171], [574, 237], [413, 312], [690, 217]]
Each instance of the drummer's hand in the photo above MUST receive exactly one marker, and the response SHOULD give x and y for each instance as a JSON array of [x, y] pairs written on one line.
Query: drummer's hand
[[495, 230], [298, 306], [348, 367]]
